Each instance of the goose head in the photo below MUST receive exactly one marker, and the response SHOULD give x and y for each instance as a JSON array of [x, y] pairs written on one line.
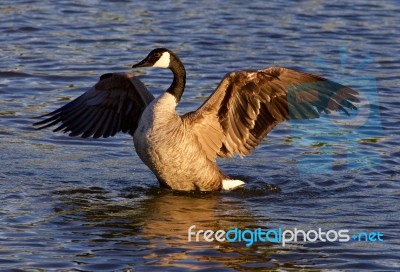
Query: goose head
[[164, 58], [159, 57]]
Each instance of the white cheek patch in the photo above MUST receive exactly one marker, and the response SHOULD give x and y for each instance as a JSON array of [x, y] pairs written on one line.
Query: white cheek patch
[[163, 62]]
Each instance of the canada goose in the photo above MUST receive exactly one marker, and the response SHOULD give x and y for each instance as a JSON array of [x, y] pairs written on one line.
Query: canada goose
[[181, 150]]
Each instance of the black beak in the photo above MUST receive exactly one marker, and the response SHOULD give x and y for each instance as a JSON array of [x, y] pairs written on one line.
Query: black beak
[[143, 63]]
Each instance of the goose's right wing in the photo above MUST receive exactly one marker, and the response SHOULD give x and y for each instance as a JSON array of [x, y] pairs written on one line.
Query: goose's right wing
[[114, 104], [248, 104]]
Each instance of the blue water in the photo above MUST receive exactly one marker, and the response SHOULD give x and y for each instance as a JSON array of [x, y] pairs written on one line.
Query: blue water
[[73, 204]]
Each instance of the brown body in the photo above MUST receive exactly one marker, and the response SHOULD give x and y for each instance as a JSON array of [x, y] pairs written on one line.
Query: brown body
[[167, 145]]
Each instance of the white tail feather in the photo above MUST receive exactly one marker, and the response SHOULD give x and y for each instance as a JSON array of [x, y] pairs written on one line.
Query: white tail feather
[[231, 184]]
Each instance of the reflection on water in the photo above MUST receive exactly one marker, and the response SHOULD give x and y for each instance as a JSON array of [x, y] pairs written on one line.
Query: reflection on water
[[156, 228], [72, 204]]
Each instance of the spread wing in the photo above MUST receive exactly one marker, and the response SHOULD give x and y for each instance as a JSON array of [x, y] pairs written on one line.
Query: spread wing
[[114, 104], [247, 105]]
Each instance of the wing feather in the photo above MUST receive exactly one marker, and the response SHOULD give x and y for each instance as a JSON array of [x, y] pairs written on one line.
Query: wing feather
[[247, 105], [114, 104]]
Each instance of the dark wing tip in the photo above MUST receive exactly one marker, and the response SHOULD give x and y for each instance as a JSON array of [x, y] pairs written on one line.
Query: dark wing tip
[[48, 122]]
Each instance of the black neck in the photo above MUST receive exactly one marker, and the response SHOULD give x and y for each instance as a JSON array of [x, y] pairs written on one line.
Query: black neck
[[178, 85]]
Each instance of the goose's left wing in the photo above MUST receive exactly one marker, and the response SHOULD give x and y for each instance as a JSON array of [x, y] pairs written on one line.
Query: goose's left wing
[[114, 104], [248, 104]]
